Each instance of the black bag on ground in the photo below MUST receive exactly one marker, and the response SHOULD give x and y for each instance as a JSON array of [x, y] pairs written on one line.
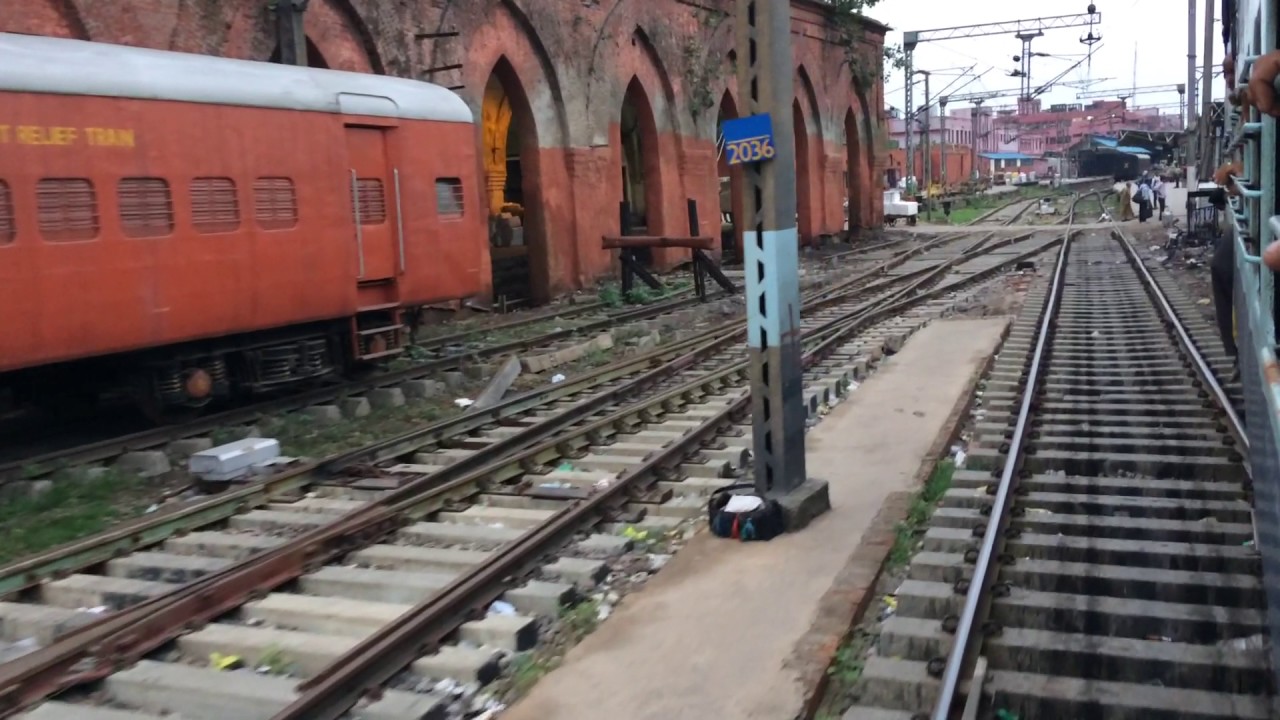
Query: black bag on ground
[[761, 522]]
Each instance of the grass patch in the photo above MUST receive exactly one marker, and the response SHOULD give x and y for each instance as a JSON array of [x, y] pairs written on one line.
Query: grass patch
[[74, 507], [908, 531], [300, 435], [846, 668], [844, 673], [528, 668]]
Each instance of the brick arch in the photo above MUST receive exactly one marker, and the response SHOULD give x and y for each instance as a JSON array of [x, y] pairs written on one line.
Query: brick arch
[[509, 36], [534, 169], [641, 102], [55, 18], [728, 110], [808, 97], [868, 132], [339, 34], [858, 191], [363, 32], [810, 155], [636, 58]]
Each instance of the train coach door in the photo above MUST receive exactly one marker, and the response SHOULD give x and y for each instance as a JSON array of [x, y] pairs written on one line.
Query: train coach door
[[373, 193]]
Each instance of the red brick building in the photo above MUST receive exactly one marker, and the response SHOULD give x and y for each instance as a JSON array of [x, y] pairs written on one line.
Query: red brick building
[[583, 103]]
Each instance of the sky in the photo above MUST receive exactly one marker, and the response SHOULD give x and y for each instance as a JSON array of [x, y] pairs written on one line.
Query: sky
[[1157, 29]]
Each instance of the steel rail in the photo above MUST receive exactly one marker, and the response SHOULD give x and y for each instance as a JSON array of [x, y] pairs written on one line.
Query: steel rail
[[94, 651], [978, 596], [1234, 423], [111, 447], [333, 691], [979, 584], [156, 528]]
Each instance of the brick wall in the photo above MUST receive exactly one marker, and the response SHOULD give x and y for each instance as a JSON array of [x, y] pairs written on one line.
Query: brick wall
[[572, 61]]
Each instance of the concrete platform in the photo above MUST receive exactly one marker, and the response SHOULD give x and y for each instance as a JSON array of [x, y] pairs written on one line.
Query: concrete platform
[[742, 630]]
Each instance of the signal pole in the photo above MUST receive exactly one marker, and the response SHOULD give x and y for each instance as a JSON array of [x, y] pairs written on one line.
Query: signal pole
[[771, 243]]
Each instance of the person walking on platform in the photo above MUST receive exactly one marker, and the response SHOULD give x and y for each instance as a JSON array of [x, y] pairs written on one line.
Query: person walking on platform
[[1125, 195], [1144, 200], [1160, 193]]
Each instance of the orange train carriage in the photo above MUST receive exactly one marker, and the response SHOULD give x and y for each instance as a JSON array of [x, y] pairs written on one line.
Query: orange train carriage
[[191, 227]]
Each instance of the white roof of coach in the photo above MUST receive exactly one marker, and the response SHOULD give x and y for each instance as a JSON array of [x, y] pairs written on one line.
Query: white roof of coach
[[35, 64]]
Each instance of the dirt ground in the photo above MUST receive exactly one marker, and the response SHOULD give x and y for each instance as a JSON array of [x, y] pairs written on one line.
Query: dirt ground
[[1190, 267]]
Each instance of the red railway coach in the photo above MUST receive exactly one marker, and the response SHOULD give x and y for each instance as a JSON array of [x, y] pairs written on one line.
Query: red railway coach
[[191, 227]]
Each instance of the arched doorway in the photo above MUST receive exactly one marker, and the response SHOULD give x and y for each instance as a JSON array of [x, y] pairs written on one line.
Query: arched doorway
[[731, 200], [804, 212], [315, 58], [510, 158], [640, 165], [855, 195]]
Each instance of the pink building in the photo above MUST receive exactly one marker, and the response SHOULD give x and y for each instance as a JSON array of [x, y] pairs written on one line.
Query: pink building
[[1027, 129]]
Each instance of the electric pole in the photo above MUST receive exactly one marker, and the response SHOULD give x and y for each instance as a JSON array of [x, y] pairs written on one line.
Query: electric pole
[[928, 150], [942, 121], [771, 245], [1203, 160], [1191, 95]]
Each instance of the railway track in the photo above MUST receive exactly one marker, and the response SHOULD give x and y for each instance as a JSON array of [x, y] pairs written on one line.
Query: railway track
[[418, 535], [1095, 557], [38, 453]]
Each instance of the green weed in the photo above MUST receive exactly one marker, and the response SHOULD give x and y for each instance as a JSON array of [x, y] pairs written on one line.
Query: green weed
[[526, 670], [76, 505], [581, 620], [641, 295], [610, 296], [909, 530]]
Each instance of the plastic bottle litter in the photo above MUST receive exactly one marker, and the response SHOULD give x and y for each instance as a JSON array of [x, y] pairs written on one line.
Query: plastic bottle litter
[[502, 607]]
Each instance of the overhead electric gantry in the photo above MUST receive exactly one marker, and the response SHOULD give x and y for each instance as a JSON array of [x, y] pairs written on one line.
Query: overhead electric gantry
[[1024, 30], [981, 96]]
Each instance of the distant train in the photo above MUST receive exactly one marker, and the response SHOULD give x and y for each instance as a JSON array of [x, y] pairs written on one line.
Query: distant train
[[194, 227]]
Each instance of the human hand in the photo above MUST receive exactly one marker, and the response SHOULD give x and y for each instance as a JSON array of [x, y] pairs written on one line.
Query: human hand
[[1261, 89], [1223, 176]]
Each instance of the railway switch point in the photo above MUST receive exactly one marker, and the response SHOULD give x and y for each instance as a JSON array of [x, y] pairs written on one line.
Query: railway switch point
[[324, 414], [144, 463]]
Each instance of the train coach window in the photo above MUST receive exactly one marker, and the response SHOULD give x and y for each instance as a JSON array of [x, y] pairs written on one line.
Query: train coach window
[[8, 224], [373, 201], [275, 203], [449, 198], [67, 209], [214, 207], [146, 207]]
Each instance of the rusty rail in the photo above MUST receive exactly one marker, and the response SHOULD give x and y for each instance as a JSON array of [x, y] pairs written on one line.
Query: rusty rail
[[378, 658], [96, 650]]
